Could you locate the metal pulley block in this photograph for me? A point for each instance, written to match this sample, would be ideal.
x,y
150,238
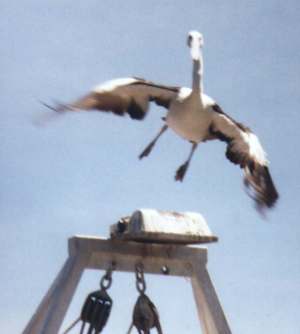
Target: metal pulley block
x,y
96,308
95,311
145,315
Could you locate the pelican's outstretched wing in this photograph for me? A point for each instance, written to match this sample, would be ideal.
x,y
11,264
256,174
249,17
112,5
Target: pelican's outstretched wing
x,y
121,96
244,149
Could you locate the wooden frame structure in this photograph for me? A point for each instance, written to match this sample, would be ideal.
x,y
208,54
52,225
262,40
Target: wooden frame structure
x,y
97,253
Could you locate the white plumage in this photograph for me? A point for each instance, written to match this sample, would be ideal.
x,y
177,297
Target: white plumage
x,y
190,117
193,115
110,85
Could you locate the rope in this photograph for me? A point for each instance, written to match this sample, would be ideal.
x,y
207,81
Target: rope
x,y
71,326
130,328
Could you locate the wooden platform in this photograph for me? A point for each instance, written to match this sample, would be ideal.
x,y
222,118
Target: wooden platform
x,y
156,226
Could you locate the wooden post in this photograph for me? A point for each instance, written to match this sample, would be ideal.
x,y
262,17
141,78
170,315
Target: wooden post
x,y
210,313
98,253
51,311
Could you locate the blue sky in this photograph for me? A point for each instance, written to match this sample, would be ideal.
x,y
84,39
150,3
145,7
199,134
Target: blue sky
x,y
80,173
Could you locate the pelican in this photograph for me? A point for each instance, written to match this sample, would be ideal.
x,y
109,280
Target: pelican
x,y
192,115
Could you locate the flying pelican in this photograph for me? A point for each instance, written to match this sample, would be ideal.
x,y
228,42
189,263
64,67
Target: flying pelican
x,y
192,115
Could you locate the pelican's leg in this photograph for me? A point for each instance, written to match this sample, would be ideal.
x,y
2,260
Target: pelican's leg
x,y
183,168
149,148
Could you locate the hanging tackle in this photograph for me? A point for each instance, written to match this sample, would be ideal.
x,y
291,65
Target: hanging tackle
x,y
145,315
96,309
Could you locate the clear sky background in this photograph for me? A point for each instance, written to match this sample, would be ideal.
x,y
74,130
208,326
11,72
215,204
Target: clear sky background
x,y
80,173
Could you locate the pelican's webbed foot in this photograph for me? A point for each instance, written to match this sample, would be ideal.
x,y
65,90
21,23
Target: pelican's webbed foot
x,y
180,173
147,150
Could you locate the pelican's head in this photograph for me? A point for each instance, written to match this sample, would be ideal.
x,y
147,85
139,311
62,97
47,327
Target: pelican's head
x,y
195,42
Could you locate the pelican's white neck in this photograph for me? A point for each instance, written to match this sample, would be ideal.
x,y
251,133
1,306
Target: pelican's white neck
x,y
196,55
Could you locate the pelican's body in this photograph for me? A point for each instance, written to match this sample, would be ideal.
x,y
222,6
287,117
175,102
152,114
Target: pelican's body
x,y
192,115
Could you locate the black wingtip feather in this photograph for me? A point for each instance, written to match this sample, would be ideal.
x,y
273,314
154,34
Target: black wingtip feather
x,y
259,179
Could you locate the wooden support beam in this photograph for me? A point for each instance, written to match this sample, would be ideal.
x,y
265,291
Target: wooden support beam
x,y
102,252
210,313
50,313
